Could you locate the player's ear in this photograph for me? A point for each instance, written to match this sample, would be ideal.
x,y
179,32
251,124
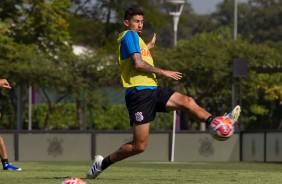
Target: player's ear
x,y
126,23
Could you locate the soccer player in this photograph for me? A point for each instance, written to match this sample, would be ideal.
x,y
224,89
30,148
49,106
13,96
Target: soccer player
x,y
3,152
143,96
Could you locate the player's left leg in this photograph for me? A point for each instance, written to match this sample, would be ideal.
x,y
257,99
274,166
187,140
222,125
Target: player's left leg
x,y
136,146
234,114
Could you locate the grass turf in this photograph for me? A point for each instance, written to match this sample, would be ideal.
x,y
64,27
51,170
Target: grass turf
x,y
147,172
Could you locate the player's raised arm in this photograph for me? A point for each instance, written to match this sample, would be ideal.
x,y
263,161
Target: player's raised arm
x,y
151,44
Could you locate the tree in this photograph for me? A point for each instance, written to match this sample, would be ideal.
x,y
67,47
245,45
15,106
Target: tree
x,y
35,43
206,63
105,18
258,19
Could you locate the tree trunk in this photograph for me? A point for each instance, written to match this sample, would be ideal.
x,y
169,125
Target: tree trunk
x,y
49,110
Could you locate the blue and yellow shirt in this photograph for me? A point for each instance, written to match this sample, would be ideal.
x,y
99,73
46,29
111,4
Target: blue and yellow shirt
x,y
128,43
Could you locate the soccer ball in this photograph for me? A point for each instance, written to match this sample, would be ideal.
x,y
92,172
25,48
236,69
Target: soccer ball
x,y
221,128
72,180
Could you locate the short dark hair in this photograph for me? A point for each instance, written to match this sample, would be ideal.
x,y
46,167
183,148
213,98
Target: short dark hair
x,y
130,12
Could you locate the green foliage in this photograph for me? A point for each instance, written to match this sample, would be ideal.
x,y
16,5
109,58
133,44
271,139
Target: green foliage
x,y
206,64
64,116
163,121
114,117
95,18
82,31
258,110
35,49
257,18
202,56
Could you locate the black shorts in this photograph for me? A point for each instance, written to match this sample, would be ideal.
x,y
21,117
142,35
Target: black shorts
x,y
142,105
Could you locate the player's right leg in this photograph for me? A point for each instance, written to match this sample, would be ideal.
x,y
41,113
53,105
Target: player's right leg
x,y
234,114
136,146
179,101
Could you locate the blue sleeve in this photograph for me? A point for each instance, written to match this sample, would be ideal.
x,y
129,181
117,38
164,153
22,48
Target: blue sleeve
x,y
129,44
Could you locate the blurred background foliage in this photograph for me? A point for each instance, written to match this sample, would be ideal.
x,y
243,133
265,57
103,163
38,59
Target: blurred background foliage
x,y
84,91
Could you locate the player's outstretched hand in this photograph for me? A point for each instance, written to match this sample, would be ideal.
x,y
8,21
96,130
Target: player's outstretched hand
x,y
4,84
172,74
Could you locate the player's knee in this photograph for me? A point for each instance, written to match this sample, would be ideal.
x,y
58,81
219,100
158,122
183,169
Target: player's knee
x,y
139,148
188,102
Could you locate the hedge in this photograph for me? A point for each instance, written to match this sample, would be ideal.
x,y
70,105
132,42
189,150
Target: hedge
x,y
111,117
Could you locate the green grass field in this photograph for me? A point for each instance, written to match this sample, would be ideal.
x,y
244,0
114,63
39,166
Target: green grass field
x,y
147,172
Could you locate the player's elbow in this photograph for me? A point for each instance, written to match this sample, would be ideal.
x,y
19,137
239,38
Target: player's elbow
x,y
137,66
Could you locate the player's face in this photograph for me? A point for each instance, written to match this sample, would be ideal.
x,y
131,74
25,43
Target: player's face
x,y
135,23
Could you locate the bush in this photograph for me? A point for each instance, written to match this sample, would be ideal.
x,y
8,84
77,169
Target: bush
x,y
110,117
64,116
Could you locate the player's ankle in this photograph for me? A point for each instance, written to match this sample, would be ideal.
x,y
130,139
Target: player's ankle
x,y
209,119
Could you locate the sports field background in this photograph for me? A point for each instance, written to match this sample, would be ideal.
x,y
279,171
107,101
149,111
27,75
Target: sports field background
x,y
147,172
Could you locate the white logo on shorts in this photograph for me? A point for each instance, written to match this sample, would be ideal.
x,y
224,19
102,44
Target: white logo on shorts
x,y
138,116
